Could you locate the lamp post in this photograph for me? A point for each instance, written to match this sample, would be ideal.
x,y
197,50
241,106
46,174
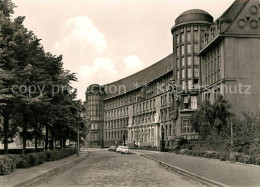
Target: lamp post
x,y
78,140
163,143
78,146
232,155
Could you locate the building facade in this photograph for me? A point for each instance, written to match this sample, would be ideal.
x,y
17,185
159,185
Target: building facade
x,y
209,58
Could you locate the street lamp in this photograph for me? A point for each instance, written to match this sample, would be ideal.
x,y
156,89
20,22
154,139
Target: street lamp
x,y
232,155
163,143
78,140
78,146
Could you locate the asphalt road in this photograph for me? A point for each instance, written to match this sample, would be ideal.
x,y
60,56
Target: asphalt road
x,y
103,168
230,174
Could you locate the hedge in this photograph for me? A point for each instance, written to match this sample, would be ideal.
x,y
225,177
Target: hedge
x,y
19,151
11,161
239,157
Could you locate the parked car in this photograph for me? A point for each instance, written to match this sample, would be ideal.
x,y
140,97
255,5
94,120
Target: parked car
x,y
125,150
112,148
119,148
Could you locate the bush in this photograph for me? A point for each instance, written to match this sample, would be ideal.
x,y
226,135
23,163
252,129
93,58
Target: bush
x,y
9,162
6,165
23,162
258,161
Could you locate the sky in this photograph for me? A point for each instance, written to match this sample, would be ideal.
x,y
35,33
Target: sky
x,y
106,40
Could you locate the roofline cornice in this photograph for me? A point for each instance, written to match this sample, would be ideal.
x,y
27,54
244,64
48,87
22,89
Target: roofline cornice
x,y
191,23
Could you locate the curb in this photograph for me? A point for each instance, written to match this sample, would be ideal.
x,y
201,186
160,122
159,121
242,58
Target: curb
x,y
193,176
53,172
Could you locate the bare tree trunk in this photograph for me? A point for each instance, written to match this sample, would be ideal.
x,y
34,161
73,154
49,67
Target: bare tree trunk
x,y
36,143
6,133
24,138
51,141
61,143
64,142
46,137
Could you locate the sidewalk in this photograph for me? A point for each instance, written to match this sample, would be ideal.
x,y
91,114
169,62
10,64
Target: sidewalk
x,y
21,175
231,174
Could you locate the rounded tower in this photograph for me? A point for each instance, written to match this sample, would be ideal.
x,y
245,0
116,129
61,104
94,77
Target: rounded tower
x,y
95,115
187,33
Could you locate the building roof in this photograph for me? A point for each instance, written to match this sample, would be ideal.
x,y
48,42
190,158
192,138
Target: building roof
x,y
193,15
233,11
95,88
142,77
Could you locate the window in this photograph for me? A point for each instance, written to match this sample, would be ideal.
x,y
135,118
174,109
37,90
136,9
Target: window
x,y
178,75
196,83
177,39
196,48
183,62
188,48
194,102
177,51
182,37
189,84
188,36
183,85
196,72
186,102
182,50
186,127
183,73
189,61
178,63
196,60
196,36
189,73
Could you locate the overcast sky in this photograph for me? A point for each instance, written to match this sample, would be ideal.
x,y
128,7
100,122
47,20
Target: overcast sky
x,y
103,41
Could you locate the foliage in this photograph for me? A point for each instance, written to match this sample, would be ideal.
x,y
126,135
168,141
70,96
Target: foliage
x,y
9,162
211,119
47,100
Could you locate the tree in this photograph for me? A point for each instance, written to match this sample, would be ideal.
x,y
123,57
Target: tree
x,y
211,118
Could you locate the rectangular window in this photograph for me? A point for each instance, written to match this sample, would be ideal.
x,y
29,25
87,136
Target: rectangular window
x,y
189,84
182,50
185,99
189,61
177,39
189,48
194,102
196,36
182,37
186,127
196,48
183,85
177,51
196,60
189,36
178,75
183,73
196,72
189,73
177,63
183,62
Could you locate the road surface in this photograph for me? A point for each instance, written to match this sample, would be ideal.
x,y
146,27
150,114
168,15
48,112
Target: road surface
x,y
103,168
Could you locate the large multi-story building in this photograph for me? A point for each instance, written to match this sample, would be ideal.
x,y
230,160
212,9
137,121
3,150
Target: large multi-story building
x,y
209,58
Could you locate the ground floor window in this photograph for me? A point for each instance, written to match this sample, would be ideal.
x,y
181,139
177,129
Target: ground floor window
x,y
94,136
186,127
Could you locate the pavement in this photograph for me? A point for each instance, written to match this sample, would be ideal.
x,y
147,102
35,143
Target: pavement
x,y
230,174
104,168
22,177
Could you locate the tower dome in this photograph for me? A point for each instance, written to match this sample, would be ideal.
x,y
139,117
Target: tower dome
x,y
194,15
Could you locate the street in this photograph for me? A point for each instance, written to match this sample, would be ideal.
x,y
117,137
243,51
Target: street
x,y
103,168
